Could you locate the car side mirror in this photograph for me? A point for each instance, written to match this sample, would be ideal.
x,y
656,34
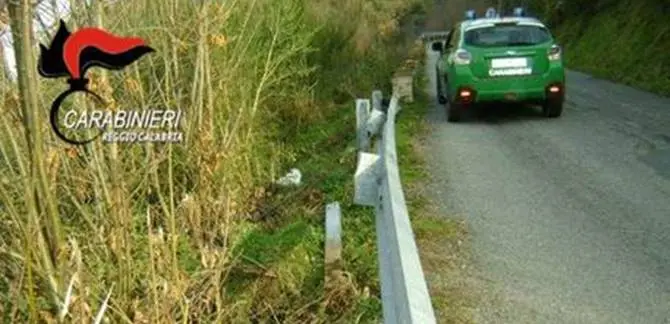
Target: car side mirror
x,y
438,47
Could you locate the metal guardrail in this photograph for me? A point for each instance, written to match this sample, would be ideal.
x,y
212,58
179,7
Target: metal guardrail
x,y
405,297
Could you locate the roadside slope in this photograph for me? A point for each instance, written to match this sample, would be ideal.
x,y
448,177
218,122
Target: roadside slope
x,y
626,41
198,232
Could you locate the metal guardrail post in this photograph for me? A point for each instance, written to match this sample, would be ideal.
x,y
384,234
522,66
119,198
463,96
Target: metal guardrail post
x,y
333,249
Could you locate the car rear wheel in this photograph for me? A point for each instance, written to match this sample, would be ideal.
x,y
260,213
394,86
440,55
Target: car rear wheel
x,y
552,108
454,112
441,98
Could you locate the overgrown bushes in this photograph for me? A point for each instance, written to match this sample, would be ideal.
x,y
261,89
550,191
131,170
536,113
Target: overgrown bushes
x,y
159,227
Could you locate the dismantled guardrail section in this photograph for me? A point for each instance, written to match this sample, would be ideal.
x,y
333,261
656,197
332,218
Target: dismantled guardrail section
x,y
405,297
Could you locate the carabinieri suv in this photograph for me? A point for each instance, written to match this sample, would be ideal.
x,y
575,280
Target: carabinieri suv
x,y
500,59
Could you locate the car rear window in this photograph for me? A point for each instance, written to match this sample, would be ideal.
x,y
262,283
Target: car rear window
x,y
507,35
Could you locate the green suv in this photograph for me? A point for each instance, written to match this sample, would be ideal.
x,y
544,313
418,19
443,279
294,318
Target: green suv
x,y
500,59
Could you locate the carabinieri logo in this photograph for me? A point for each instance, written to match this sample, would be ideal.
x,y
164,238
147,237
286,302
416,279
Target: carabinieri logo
x,y
72,54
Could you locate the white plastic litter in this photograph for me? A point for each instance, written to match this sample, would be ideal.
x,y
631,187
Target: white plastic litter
x,y
292,178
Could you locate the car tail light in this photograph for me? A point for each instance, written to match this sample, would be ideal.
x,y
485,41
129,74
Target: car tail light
x,y
555,90
554,53
465,94
462,57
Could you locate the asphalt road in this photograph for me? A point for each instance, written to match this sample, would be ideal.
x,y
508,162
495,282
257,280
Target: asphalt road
x,y
570,217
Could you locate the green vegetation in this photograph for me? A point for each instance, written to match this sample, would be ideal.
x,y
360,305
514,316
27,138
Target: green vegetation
x,y
627,41
195,232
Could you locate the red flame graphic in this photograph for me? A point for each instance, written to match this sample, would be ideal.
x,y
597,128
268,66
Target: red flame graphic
x,y
94,37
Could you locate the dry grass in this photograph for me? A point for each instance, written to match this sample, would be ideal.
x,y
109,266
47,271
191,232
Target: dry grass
x,y
444,247
159,228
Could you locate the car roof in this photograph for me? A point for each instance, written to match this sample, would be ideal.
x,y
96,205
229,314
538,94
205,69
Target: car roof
x,y
490,22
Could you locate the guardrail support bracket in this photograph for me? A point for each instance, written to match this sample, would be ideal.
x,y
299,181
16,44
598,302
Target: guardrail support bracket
x,y
362,113
365,179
